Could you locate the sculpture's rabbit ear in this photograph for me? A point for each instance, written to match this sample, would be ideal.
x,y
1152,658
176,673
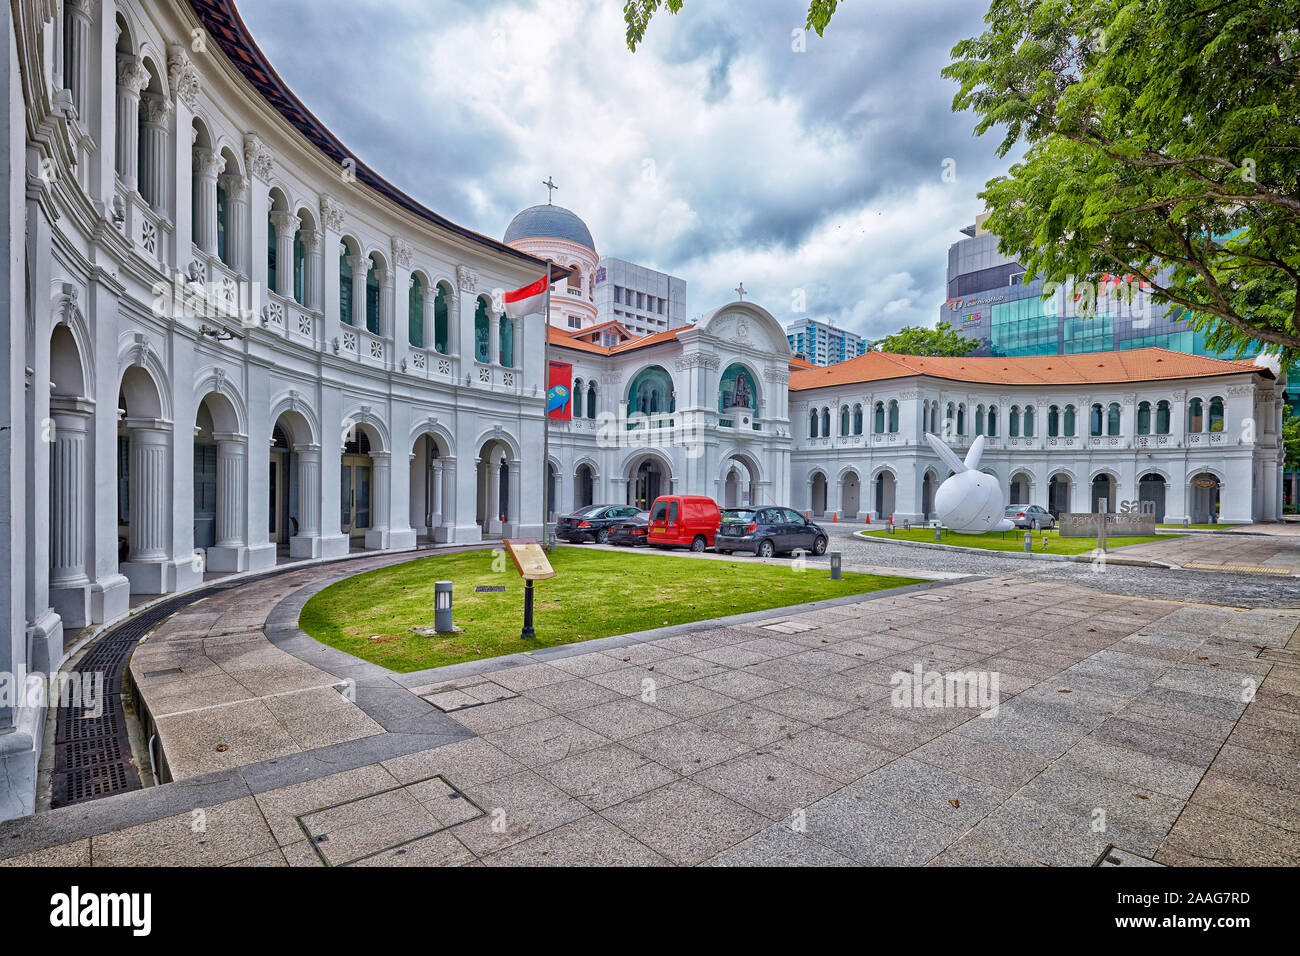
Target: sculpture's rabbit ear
x,y
946,454
976,452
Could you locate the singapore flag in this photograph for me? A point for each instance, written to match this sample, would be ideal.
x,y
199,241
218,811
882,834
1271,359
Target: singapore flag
x,y
531,298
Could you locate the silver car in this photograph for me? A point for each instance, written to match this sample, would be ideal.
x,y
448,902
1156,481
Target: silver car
x,y
1030,517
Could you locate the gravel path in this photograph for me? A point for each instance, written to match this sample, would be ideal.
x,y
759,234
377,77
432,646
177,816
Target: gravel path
x,y
1230,589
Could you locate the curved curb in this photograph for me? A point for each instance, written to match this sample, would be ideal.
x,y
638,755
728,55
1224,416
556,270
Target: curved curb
x,y
1020,555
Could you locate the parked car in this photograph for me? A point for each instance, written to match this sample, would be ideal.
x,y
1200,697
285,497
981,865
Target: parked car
x,y
1030,516
683,521
592,524
737,514
771,531
631,532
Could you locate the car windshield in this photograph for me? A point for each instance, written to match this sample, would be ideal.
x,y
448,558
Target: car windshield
x,y
737,514
660,510
588,511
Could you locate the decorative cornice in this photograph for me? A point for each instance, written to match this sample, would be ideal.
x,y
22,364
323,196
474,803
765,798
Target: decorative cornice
x,y
182,75
401,253
131,73
331,211
466,279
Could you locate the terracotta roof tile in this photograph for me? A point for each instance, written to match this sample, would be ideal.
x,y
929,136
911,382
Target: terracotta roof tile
x,y
1135,365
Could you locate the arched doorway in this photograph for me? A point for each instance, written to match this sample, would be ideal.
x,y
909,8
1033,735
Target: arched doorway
x,y
1151,488
739,482
818,502
1019,490
220,485
647,479
70,525
432,484
1102,497
144,484
498,475
886,486
1058,494
584,487
281,522
851,495
1204,497
357,485
294,513
928,485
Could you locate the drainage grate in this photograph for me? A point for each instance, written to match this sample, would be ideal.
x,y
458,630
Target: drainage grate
x,y
789,627
366,826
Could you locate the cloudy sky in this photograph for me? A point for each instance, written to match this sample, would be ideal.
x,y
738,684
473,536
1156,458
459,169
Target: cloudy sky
x,y
718,152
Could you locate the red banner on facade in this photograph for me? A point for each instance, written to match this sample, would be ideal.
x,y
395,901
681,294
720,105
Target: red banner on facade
x,y
559,391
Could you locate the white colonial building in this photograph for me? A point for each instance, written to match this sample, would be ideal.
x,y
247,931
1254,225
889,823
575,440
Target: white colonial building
x,y
232,345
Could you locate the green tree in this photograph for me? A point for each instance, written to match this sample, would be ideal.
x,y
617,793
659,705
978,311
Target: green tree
x,y
1158,133
943,339
638,13
1290,440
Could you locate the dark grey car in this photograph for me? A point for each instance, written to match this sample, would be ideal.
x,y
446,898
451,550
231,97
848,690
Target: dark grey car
x,y
771,531
592,524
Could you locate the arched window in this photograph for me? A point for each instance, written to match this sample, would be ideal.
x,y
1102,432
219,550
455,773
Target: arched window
x,y
979,419
826,422
893,416
415,312
577,398
1216,414
1053,421
844,420
1195,415
857,419
812,423
993,421
736,389
372,296
299,268
223,219
1162,417
272,253
878,423
1069,421
1112,419
591,399
1144,418
345,286
481,331
934,418
1094,423
1013,423
506,354
949,421
440,322
1029,421
651,392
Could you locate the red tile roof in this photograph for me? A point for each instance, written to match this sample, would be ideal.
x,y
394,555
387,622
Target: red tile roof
x,y
1135,365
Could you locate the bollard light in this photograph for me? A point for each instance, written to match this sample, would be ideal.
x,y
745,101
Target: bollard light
x,y
1029,541
835,565
937,532
1185,522
442,607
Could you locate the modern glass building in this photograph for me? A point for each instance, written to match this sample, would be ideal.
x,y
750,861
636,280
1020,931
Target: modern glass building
x,y
822,343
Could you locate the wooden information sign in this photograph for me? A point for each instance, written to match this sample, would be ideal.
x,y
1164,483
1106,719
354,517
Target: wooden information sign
x,y
530,559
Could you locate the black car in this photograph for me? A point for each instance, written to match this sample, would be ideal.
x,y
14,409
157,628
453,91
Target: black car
x,y
770,531
630,532
593,523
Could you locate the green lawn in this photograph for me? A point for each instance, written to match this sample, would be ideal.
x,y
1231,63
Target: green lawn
x,y
1015,540
596,594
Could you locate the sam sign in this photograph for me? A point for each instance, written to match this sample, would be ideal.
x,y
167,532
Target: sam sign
x,y
559,391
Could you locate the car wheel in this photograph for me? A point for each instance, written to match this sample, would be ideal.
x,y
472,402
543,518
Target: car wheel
x,y
602,536
766,549
699,544
819,545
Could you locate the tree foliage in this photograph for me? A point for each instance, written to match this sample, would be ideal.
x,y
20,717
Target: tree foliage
x,y
1159,133
943,339
637,14
1291,439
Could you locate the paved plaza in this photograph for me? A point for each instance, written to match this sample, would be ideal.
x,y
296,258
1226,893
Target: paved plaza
x,y
1153,731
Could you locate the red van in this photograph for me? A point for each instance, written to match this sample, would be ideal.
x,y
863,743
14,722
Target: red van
x,y
683,521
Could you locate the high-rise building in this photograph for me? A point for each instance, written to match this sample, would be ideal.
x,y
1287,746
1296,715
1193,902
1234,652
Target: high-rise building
x,y
643,300
822,343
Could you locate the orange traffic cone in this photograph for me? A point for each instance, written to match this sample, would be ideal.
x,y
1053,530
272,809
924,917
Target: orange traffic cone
x,y
835,518
868,517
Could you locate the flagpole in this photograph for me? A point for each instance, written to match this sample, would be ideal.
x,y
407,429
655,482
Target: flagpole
x,y
546,414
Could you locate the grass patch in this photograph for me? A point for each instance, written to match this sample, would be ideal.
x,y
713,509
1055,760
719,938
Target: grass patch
x,y
597,594
1015,540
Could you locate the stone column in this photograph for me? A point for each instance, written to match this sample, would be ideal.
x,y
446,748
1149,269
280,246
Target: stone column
x,y
150,496
207,165
232,510
286,227
492,520
494,338
387,325
306,543
68,520
76,44
236,187
131,79
314,243
155,110
381,495
430,318
435,519
515,506
360,269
